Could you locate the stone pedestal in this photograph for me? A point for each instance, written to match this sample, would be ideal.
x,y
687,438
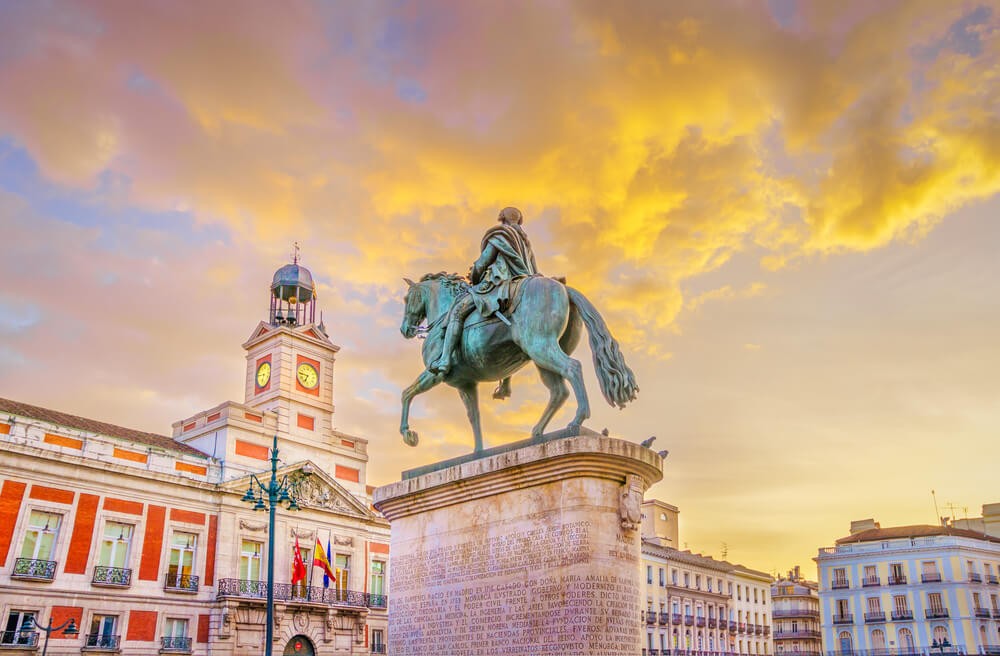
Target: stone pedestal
x,y
531,549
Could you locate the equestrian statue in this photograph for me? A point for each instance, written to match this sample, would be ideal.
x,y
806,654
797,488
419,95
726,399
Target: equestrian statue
x,y
504,315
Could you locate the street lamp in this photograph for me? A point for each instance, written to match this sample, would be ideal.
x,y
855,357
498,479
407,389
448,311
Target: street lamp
x,y
30,624
267,497
941,646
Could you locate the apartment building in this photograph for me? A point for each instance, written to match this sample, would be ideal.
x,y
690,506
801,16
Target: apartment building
x,y
796,616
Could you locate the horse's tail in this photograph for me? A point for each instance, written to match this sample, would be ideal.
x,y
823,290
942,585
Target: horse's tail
x,y
617,380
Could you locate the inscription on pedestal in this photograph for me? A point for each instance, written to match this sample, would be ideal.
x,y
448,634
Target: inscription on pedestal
x,y
537,589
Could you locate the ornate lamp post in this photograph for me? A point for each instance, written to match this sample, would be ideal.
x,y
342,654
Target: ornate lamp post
x,y
70,629
267,497
941,646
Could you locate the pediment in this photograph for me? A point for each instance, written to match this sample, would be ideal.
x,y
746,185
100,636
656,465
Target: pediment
x,y
317,490
262,329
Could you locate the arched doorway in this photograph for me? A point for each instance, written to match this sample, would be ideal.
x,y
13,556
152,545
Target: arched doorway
x,y
299,646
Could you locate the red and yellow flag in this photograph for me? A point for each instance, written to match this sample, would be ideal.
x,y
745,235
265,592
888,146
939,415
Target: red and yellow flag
x,y
320,560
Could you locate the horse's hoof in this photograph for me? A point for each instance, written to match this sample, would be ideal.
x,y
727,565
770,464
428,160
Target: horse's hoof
x,y
500,393
411,437
574,427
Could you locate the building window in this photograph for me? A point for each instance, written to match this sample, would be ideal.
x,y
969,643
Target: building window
x,y
649,574
378,577
929,571
115,545
378,641
180,566
934,601
342,568
663,577
845,642
840,578
896,575
673,576
102,632
906,641
13,633
755,595
874,605
697,581
175,631
40,538
900,604
250,557
940,634
708,583
687,580
878,639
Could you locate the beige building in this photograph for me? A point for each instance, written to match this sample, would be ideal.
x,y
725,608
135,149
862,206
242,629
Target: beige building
x,y
145,542
795,612
696,604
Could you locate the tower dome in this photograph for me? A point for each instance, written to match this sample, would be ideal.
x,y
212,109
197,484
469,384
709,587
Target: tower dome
x,y
293,294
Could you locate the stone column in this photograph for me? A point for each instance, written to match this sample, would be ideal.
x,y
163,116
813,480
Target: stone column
x,y
531,549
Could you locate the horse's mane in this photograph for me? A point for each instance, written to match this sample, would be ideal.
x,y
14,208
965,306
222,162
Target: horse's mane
x,y
453,280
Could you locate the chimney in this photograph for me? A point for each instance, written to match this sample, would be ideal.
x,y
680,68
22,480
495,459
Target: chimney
x,y
859,525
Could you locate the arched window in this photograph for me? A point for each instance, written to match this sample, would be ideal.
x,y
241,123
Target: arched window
x,y
845,642
940,634
906,641
984,639
878,640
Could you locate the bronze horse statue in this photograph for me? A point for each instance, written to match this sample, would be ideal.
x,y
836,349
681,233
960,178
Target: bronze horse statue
x,y
545,326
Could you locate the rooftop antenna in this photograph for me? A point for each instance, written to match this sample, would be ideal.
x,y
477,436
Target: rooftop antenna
x,y
952,508
937,513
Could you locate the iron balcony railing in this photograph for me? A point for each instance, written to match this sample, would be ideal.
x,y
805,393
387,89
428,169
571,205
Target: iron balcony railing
x,y
664,618
878,616
181,583
700,621
733,627
902,615
898,579
840,584
650,617
996,613
795,612
935,613
992,578
711,623
801,633
100,641
175,643
112,576
871,582
846,618
378,649
983,612
301,594
975,577
689,620
759,629
18,639
28,568
676,618
930,578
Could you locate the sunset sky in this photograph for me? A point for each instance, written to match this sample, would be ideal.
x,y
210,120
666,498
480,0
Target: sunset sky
x,y
787,212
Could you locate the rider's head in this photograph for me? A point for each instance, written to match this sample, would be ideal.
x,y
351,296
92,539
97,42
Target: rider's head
x,y
510,215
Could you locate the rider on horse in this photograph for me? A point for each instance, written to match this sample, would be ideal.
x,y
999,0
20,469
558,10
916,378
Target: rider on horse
x,y
506,256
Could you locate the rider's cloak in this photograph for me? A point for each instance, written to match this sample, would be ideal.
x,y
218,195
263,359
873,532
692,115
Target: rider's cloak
x,y
506,255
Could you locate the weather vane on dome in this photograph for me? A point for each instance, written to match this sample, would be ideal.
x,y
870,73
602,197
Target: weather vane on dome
x,y
295,252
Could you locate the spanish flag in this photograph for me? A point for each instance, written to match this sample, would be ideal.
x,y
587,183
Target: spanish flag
x,y
320,560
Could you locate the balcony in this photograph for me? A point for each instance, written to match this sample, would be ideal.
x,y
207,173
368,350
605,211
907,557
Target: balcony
x,y
700,622
181,583
712,623
743,627
933,577
650,617
18,639
795,612
301,594
847,618
758,629
996,613
34,570
801,633
875,617
689,620
897,579
101,642
991,650
991,578
983,613
936,613
975,577
902,615
732,627
112,577
676,618
378,649
175,644
664,618
871,582
840,584
767,630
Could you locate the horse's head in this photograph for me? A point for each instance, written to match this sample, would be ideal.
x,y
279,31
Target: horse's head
x,y
414,309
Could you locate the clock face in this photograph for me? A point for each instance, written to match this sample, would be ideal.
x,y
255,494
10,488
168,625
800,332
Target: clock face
x,y
263,374
307,376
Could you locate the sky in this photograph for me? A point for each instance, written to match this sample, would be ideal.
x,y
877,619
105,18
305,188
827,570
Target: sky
x,y
786,212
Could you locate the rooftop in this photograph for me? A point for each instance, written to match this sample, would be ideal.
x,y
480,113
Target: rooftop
x,y
9,407
914,531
